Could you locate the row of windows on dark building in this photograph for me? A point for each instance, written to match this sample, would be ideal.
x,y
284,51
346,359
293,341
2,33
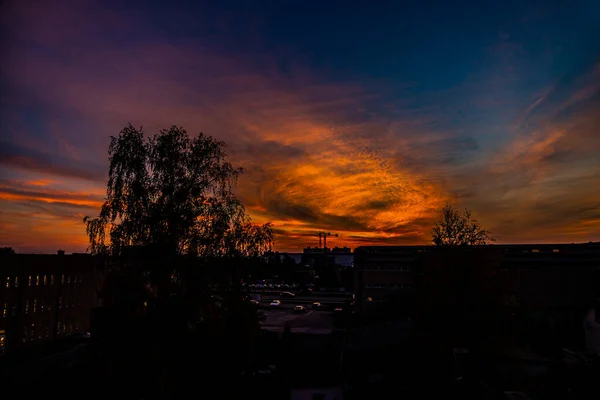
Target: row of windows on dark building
x,y
34,306
32,332
44,280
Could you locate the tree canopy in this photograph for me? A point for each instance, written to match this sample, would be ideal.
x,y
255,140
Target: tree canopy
x,y
456,229
174,192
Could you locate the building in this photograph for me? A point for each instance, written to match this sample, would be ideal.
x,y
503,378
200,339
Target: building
x,y
44,297
556,285
383,271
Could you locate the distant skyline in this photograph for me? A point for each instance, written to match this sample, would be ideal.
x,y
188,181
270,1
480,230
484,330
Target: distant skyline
x,y
358,118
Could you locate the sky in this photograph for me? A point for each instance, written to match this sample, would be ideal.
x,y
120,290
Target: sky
x,y
357,118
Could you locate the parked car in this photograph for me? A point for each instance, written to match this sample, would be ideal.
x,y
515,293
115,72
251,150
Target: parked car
x,y
299,309
316,305
254,302
275,303
287,294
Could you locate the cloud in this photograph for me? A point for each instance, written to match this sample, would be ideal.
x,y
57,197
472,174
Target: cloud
x,y
373,161
12,155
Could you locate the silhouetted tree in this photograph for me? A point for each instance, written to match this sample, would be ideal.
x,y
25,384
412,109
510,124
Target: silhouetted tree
x,y
173,225
458,287
174,192
456,229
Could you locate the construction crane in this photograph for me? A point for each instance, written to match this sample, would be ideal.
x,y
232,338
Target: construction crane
x,y
323,235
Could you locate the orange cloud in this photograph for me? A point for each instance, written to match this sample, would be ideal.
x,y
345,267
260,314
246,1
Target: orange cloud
x,y
319,153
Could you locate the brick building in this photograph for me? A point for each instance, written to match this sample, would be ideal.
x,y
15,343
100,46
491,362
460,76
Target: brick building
x,y
44,297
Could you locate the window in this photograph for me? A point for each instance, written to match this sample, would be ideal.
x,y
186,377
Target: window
x,y
58,328
27,307
24,333
68,278
80,278
7,282
60,302
16,281
45,280
4,310
29,280
52,279
62,278
2,341
14,311
34,305
43,305
76,323
32,333
37,280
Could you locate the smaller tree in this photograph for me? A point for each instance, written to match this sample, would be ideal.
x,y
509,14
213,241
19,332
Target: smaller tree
x,y
456,229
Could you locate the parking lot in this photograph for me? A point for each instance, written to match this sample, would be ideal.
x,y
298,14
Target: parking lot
x,y
314,321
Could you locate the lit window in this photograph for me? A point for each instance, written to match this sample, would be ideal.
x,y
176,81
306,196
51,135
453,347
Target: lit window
x,y
27,307
37,280
8,281
29,280
45,280
369,299
34,305
43,305
62,278
16,281
52,279
32,333
4,310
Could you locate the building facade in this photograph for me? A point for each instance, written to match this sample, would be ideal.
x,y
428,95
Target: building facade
x,y
44,297
383,271
552,280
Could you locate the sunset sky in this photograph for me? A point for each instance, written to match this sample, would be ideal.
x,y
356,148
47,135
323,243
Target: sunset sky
x,y
358,118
